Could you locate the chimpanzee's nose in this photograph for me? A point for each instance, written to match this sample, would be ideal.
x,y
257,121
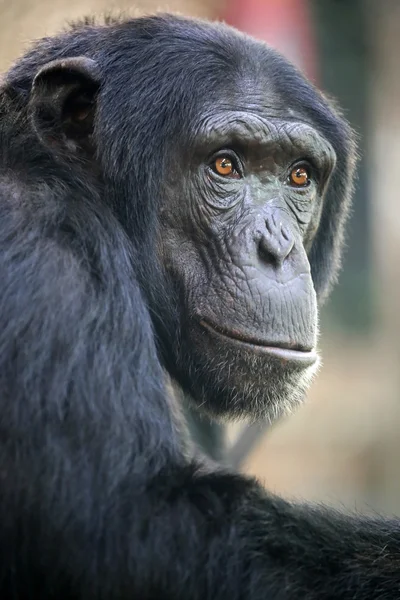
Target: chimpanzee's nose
x,y
276,242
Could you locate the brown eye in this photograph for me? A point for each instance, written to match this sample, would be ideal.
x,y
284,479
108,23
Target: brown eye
x,y
299,176
223,165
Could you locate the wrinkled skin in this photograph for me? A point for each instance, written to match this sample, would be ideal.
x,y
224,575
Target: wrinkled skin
x,y
237,249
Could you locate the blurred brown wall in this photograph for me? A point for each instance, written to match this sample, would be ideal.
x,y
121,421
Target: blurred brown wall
x,y
24,20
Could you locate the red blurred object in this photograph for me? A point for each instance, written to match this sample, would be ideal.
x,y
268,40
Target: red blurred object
x,y
286,25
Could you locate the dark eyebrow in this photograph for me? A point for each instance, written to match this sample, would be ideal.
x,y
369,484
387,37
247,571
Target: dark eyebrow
x,y
243,129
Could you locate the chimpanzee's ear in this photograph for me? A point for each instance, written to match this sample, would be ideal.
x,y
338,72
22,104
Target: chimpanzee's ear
x,y
63,102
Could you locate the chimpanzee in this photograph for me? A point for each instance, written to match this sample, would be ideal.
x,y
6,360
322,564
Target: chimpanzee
x,y
173,195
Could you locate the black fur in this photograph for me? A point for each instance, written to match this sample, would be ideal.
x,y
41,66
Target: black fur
x,y
99,496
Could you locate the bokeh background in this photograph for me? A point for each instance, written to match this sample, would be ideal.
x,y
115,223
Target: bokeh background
x,y
343,447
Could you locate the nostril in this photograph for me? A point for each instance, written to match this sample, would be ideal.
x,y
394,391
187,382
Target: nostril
x,y
285,233
268,226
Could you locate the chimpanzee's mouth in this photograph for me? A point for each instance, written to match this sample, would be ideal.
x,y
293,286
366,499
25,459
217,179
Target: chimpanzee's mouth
x,y
285,351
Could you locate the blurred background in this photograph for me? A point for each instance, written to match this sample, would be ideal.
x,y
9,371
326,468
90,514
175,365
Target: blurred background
x,y
343,446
